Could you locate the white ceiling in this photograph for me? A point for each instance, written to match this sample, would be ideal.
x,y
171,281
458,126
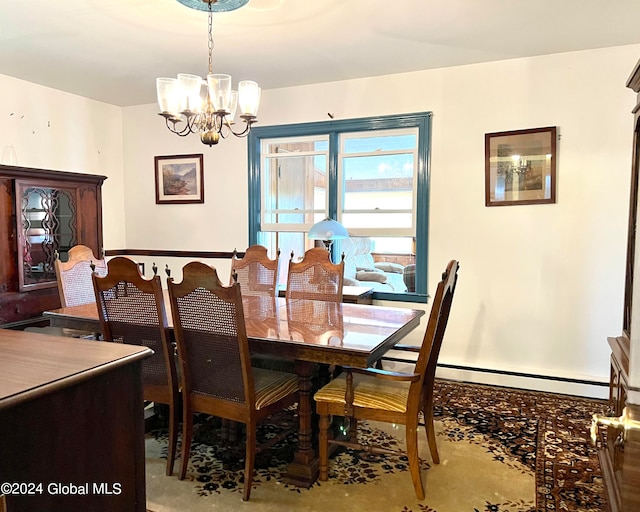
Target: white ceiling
x,y
112,50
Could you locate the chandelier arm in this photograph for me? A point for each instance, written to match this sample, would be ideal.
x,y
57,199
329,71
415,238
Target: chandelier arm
x,y
186,129
247,128
193,123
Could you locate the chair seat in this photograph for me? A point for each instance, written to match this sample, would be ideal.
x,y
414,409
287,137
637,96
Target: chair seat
x,y
272,386
368,392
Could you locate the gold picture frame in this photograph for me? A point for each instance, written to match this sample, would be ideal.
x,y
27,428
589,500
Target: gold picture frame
x,y
520,167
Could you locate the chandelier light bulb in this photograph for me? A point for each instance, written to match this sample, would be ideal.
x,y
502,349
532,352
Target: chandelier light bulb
x,y
248,97
189,91
220,92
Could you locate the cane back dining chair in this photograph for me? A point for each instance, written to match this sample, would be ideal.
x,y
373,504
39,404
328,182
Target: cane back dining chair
x,y
75,286
393,397
215,365
74,276
132,311
315,277
256,272
257,275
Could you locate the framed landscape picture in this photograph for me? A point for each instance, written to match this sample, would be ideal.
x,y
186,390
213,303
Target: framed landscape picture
x,y
520,167
179,179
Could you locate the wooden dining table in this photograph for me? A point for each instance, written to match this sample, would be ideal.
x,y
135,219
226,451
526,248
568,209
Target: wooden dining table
x,y
306,331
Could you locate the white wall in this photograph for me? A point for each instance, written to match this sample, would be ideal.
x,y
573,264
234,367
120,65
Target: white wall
x,y
541,286
51,129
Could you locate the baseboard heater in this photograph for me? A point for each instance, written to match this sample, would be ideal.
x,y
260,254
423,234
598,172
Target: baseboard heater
x,y
504,372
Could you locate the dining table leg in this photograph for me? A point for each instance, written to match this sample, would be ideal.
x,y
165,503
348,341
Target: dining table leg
x,y
305,468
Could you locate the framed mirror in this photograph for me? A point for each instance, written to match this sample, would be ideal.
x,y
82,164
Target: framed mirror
x,y
46,224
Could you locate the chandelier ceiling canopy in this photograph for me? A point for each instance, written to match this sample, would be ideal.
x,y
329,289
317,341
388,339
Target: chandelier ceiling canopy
x,y
216,6
207,107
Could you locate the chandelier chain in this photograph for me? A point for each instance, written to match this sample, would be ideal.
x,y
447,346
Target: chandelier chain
x,y
210,39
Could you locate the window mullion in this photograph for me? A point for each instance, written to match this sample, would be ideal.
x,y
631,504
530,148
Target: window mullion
x,y
333,189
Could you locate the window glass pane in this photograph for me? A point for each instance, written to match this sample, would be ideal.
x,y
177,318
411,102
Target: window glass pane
x,y
377,220
377,173
383,263
294,182
359,143
378,182
297,145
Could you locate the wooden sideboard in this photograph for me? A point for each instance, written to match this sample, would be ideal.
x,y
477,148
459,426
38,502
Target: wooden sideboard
x,y
66,211
620,454
612,454
71,417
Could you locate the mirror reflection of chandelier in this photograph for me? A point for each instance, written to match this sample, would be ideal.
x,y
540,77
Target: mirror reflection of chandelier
x,y
207,107
519,164
516,166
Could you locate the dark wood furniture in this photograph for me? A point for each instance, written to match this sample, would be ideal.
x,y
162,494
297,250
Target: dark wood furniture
x,y
74,275
132,310
368,332
71,413
42,212
215,364
392,397
350,294
315,277
620,453
256,273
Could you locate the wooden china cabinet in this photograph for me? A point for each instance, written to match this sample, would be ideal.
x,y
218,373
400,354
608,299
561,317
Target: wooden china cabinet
x,y
620,454
42,213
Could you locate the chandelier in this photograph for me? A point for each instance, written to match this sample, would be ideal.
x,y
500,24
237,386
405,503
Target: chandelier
x,y
190,104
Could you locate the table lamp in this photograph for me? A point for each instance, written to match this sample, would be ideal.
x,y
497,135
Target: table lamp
x,y
327,230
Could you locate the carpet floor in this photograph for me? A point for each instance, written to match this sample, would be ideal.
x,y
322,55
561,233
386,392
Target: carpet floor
x,y
501,450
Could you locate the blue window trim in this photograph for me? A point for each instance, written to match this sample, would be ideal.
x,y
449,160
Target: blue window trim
x,y
421,120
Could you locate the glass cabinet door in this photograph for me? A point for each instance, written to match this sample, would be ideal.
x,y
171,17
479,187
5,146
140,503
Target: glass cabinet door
x,y
46,218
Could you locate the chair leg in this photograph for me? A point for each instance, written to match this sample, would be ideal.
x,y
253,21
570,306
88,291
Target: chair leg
x,y
249,460
414,461
224,429
233,428
429,427
323,447
187,432
173,437
352,434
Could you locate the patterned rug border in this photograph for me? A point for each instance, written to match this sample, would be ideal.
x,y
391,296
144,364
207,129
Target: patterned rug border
x,y
567,469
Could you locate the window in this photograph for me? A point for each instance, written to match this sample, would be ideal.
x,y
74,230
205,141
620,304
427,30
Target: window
x,y
370,174
376,182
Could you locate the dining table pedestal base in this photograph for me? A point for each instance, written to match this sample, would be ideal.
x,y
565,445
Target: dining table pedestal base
x,y
305,468
302,474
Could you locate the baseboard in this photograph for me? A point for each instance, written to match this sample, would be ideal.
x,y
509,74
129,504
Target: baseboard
x,y
519,380
530,382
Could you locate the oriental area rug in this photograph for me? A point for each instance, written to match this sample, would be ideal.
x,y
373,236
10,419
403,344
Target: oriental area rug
x,y
501,450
